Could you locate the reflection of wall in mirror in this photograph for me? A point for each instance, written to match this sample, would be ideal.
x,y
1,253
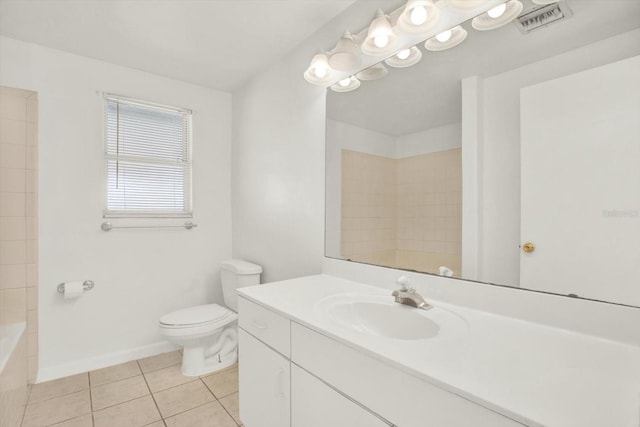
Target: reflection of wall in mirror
x,y
583,131
369,197
500,150
400,207
429,211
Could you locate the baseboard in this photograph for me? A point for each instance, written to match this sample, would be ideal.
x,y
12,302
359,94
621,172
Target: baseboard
x,y
110,359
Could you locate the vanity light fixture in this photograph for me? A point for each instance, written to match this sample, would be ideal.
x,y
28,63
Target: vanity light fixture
x,y
498,16
374,72
346,55
381,38
446,39
465,4
319,72
419,16
497,11
405,58
346,85
391,38
444,36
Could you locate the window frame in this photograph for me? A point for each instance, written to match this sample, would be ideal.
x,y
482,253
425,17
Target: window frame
x,y
188,182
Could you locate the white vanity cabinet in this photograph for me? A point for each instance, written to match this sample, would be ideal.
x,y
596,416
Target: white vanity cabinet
x,y
401,398
264,379
293,376
315,404
264,384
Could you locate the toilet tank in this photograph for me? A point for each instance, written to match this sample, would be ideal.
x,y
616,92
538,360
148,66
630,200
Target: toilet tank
x,y
236,273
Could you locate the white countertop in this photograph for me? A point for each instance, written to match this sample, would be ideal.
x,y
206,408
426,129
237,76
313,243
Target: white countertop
x,y
535,374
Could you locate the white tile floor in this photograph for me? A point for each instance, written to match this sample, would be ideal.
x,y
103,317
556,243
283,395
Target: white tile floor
x,y
148,392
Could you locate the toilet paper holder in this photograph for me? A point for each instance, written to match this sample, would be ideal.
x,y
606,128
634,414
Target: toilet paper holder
x,y
86,285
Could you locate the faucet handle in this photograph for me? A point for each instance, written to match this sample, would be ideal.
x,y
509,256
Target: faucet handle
x,y
403,281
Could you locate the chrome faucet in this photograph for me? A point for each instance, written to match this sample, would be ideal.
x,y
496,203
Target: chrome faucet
x,y
408,296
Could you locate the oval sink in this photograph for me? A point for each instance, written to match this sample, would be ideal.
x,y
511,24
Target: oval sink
x,y
400,322
379,315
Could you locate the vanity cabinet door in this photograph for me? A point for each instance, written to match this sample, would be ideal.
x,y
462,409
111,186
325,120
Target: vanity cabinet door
x,y
315,404
264,380
401,398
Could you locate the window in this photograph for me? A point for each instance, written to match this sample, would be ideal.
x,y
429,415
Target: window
x,y
148,159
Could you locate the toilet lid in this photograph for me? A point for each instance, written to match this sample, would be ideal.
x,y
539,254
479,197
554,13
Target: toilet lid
x,y
197,315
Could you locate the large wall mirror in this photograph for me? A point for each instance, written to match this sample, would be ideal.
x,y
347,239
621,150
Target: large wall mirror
x,y
511,159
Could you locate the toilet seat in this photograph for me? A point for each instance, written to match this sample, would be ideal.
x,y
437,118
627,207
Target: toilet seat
x,y
208,316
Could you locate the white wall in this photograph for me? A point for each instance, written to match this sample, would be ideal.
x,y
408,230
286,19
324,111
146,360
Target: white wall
x,y
500,211
278,158
440,138
278,173
139,275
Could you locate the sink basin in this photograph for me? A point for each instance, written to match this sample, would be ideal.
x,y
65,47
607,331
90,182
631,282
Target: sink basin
x,y
379,315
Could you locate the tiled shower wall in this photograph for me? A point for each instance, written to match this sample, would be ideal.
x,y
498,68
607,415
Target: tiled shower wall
x,y
368,223
404,213
18,243
430,211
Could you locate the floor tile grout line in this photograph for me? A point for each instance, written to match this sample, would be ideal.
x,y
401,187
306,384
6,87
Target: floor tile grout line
x,y
71,419
126,401
26,403
55,397
187,410
226,410
61,395
151,393
195,407
218,400
173,386
157,369
209,388
116,404
90,395
90,398
119,379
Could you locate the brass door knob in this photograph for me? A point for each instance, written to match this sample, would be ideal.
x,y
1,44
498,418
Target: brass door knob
x,y
528,247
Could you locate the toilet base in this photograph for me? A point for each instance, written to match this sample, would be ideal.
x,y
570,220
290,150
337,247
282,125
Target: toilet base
x,y
194,364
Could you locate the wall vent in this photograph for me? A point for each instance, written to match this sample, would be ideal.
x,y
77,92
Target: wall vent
x,y
542,16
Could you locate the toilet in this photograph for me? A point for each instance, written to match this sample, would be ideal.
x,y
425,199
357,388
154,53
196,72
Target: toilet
x,y
208,333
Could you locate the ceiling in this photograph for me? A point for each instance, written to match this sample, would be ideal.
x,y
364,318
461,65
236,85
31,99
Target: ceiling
x,y
214,43
428,94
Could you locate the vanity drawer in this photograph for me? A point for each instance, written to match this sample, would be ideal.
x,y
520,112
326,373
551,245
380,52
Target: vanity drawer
x,y
384,389
269,327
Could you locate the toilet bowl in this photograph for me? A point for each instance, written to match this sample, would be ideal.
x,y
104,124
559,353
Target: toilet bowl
x,y
208,333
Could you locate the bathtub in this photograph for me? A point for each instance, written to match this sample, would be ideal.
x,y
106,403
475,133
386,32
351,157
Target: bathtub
x,y
9,337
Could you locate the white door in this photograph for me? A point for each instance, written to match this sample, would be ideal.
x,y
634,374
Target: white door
x,y
264,381
581,184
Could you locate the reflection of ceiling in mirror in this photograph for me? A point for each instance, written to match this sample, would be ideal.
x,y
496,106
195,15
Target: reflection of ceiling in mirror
x,y
428,94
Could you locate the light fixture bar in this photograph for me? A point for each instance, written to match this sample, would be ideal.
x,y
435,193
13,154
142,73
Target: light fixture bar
x,y
449,16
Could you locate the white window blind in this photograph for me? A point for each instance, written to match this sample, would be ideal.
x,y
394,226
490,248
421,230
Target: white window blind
x,y
148,159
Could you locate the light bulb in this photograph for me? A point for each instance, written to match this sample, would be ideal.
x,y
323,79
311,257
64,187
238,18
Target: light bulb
x,y
403,54
345,82
381,41
320,71
444,36
497,11
418,15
